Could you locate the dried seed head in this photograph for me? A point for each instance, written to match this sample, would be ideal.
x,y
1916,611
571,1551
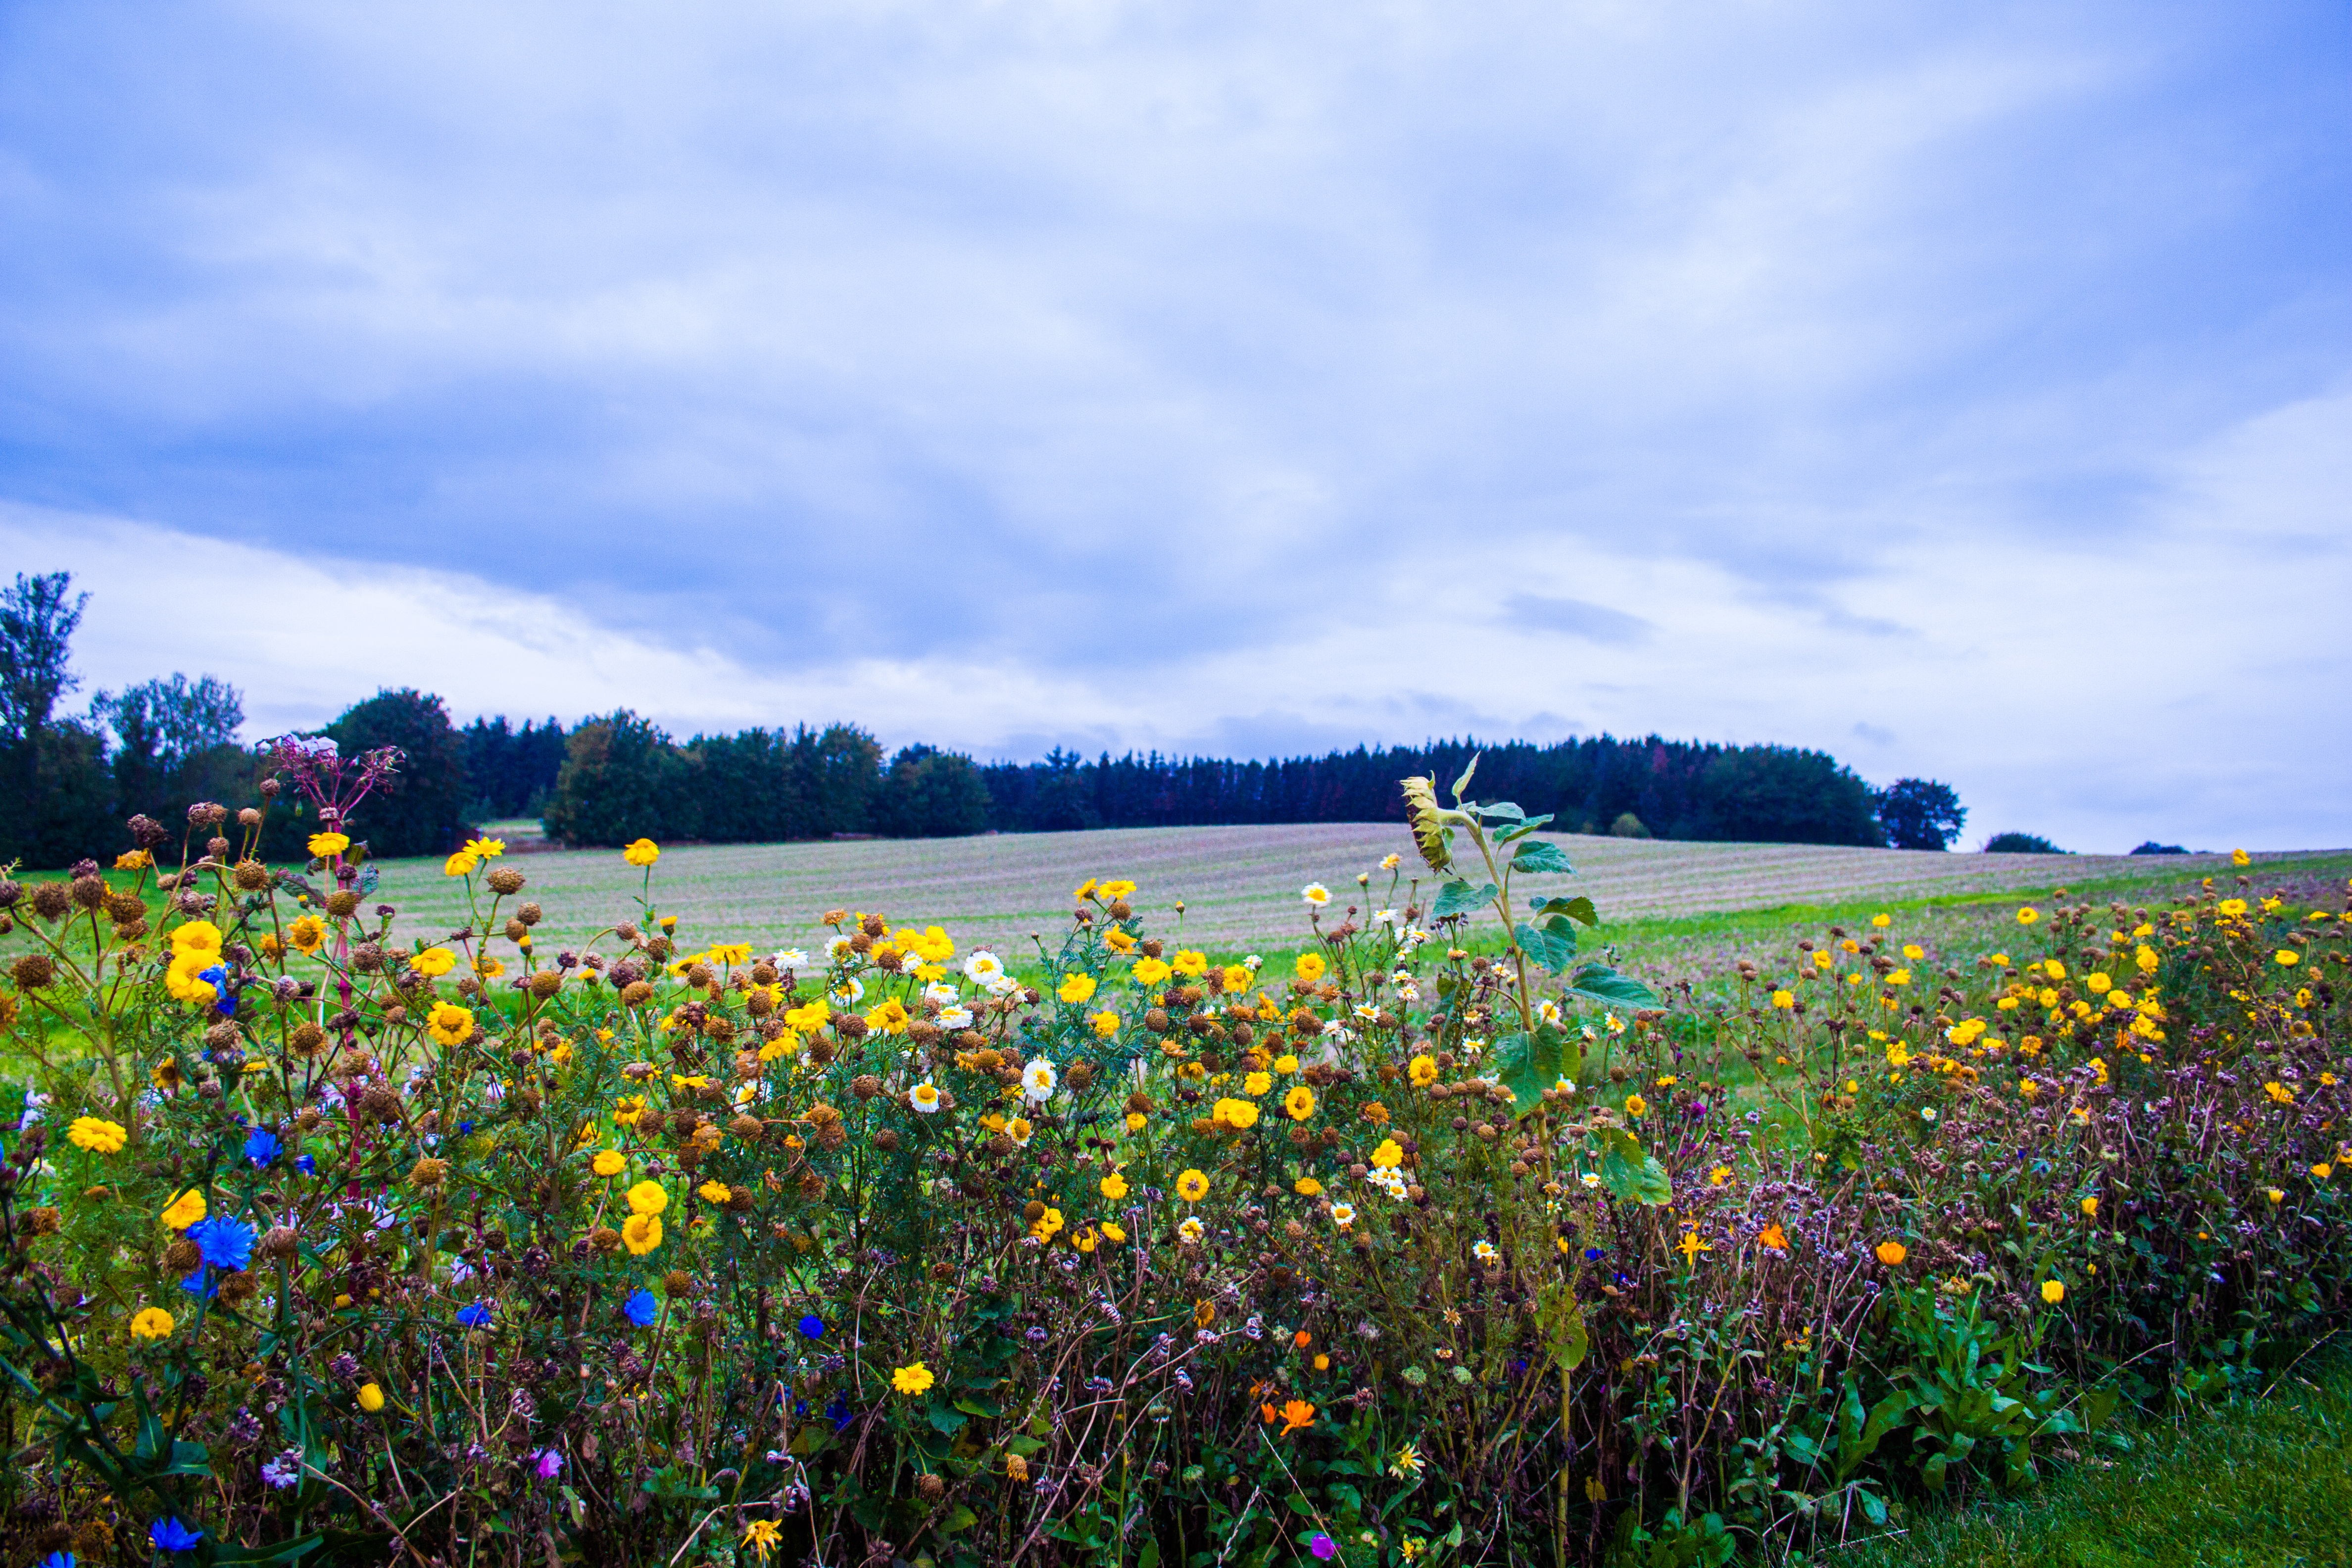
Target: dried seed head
x,y
887,1140
931,1488
307,1040
51,901
89,891
251,876
699,976
636,993
874,926
222,1036
428,1172
217,847
531,914
183,1256
504,879
546,984
278,1241
33,970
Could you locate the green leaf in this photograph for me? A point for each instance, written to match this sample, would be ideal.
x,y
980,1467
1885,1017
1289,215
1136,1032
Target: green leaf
x,y
286,1551
982,1407
1507,810
1463,782
1538,855
1521,829
1562,1317
1552,944
1528,1066
1149,1556
1630,1173
947,1420
958,1518
1577,909
1458,898
1602,984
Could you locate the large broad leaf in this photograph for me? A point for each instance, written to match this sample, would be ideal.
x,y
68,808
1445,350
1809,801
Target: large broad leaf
x,y
1528,1064
1552,944
1459,897
1602,983
1578,909
1502,811
1538,855
1522,828
1630,1173
1560,1317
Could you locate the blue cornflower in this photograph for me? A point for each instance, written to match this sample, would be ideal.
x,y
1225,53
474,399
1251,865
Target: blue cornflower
x,y
465,1127
642,1307
171,1535
307,1164
476,1316
58,1560
226,1242
200,1284
1594,1255
811,1327
262,1148
838,1413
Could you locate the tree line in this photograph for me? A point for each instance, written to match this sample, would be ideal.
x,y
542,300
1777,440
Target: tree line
x,y
69,781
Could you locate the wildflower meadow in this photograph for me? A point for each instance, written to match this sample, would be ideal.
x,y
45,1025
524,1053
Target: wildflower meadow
x,y
1442,1243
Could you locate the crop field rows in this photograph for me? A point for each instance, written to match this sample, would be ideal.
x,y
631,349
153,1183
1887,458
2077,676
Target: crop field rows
x,y
1239,886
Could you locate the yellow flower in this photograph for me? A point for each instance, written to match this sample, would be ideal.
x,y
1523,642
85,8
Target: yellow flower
x,y
1119,942
2279,1092
1719,1175
1258,1083
449,1022
760,1535
433,962
1084,890
1307,1187
2053,1291
2323,1171
2240,858
1423,1070
1784,1000
1113,891
459,864
1018,1129
1112,1233
889,1018
1192,1186
487,849
2091,1206
325,844
307,934
641,1233
185,1210
1636,1106
1191,963
2274,1193
1299,1103
133,860
2232,908
2287,958
642,852
370,1397
715,1191
491,968
1048,1224
1388,1155
1309,966
1136,1121
196,936
608,1162
1114,1186
912,1378
1234,979
649,1198
1238,1114
2027,915
1076,988
1151,971
1104,1023
97,1134
150,1323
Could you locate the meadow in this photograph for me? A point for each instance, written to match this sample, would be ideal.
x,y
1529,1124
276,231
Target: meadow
x,y
1711,1201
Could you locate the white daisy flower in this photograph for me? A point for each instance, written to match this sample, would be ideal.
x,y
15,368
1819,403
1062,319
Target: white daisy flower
x,y
1343,1214
982,966
1037,1081
1384,917
1191,1230
955,1017
790,958
1316,895
838,951
924,1097
850,990
1253,964
940,992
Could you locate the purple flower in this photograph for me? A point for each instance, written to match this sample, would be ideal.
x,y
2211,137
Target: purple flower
x,y
284,1469
171,1535
548,1463
1323,1546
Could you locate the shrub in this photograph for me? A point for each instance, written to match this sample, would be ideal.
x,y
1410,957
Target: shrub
x,y
1920,814
2021,844
340,1247
2152,848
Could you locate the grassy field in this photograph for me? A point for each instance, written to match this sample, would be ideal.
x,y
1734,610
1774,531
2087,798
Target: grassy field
x,y
2262,1481
1677,903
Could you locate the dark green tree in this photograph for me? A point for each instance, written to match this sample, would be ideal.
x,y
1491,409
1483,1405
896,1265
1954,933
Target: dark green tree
x,y
1920,814
932,793
1781,794
623,780
56,798
420,809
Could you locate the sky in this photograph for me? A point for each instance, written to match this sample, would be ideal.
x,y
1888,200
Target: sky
x,y
1965,390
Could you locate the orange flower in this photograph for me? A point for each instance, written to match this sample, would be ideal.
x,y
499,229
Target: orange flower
x,y
1302,1339
1773,1236
1892,1253
1296,1416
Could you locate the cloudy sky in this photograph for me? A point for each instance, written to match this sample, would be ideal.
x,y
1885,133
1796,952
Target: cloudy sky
x,y
1967,390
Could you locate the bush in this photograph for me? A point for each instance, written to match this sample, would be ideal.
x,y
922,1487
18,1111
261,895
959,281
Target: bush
x,y
2152,848
2021,844
1920,814
668,1251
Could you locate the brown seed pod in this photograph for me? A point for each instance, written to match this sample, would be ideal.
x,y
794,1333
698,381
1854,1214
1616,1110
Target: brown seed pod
x,y
748,1128
636,993
546,984
866,1085
239,1287
342,903
222,1036
380,1101
183,1256
931,1488
307,1040
516,929
852,1027
605,1238
125,907
759,1004
887,1140
51,901
699,976
89,892
428,1172
505,880
278,1241
33,970
531,914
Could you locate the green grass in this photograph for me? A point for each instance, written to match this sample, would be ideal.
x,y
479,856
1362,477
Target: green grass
x,y
2258,1481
